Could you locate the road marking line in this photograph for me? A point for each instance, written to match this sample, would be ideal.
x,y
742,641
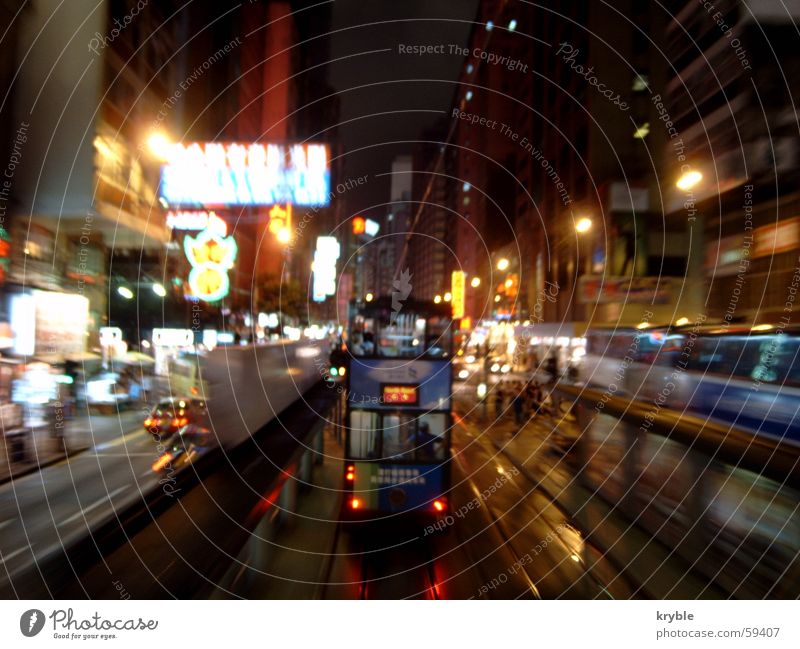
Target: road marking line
x,y
119,440
97,503
121,454
5,524
13,554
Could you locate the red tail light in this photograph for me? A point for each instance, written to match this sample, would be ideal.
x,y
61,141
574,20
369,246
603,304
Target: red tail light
x,y
148,422
351,476
355,503
439,505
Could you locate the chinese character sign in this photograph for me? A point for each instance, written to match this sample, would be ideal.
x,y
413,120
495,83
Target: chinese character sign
x,y
217,173
457,287
211,255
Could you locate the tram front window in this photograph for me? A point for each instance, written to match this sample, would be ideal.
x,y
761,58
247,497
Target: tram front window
x,y
393,436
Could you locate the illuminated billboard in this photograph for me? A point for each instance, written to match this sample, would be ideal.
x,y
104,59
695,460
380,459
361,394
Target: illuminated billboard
x,y
324,267
457,284
231,173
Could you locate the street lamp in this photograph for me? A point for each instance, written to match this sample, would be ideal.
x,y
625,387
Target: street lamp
x,y
369,297
159,145
503,264
448,296
125,292
159,290
476,282
583,225
496,298
689,180
284,236
437,299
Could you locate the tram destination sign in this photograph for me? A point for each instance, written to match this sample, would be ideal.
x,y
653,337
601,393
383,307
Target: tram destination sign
x,y
402,395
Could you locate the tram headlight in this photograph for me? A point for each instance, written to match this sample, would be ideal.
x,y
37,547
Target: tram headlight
x,y
463,374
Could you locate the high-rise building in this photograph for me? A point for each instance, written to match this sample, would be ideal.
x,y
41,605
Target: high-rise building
x,y
733,144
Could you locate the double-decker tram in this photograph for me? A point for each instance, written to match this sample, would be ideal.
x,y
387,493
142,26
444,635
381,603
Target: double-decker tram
x,y
399,386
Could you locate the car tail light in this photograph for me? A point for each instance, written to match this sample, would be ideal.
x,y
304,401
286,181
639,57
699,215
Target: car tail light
x,y
148,422
183,421
161,462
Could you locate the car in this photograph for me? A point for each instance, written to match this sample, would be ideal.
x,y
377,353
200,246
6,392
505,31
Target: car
x,y
171,414
189,444
105,392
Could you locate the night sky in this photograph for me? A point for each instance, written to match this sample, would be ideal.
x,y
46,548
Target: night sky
x,y
377,115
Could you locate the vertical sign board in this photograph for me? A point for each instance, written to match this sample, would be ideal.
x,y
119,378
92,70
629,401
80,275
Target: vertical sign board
x,y
325,257
457,288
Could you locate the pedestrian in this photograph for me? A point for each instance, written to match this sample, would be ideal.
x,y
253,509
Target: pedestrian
x,y
499,399
518,405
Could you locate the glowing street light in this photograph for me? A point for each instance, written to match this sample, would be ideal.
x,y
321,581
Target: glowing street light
x,y
437,299
496,298
369,297
159,144
125,292
503,264
448,296
476,282
284,236
583,225
689,180
159,290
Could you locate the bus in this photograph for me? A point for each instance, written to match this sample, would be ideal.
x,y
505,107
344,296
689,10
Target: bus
x,y
398,396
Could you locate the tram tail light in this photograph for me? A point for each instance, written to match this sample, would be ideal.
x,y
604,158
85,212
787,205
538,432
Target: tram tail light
x,y
149,422
439,505
355,503
351,476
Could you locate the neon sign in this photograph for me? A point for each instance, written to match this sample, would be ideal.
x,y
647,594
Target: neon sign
x,y
216,173
192,219
280,218
457,284
211,255
325,257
